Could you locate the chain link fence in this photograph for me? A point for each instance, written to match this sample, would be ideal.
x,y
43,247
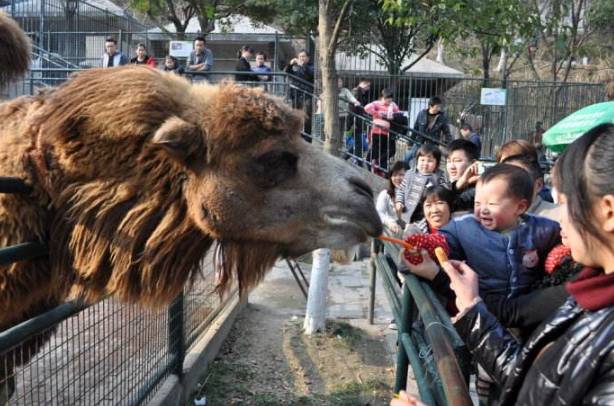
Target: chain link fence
x,y
107,353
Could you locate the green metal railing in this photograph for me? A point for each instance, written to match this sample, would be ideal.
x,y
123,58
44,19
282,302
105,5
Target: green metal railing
x,y
427,339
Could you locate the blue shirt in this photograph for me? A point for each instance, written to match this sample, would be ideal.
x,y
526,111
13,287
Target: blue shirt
x,y
506,263
477,141
262,70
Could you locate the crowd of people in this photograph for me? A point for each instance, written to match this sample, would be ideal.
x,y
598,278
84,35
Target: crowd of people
x,y
535,338
199,60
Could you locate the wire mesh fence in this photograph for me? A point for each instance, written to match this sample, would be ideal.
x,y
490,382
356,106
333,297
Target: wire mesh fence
x,y
107,353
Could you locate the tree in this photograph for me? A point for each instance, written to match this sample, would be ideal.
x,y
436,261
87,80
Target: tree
x,y
161,12
179,12
294,17
499,26
330,21
403,28
566,28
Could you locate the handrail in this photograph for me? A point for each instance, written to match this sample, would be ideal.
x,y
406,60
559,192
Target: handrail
x,y
19,333
438,336
368,120
437,333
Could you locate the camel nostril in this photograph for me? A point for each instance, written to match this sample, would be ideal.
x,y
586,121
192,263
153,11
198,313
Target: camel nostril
x,y
361,187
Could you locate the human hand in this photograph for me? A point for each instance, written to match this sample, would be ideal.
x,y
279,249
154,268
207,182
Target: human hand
x,y
469,177
356,103
293,61
399,207
394,228
411,229
405,399
463,281
427,269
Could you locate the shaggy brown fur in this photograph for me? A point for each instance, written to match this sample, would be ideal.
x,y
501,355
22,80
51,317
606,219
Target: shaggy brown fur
x,y
135,174
14,50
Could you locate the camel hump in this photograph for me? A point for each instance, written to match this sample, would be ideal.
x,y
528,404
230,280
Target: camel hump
x,y
14,50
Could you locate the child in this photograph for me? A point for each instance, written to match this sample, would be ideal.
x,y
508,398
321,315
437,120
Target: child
x,y
462,172
382,111
415,182
172,65
506,246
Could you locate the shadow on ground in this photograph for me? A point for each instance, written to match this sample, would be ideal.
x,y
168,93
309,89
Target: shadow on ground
x,y
294,369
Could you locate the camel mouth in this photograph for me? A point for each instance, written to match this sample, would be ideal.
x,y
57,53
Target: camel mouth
x,y
360,225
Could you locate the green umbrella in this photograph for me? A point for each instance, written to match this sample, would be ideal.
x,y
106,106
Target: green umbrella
x,y
574,125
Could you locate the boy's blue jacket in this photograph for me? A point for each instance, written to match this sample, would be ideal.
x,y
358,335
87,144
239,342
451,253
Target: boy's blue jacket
x,y
505,263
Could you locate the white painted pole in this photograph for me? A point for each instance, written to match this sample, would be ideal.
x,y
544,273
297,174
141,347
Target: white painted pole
x,y
315,316
440,53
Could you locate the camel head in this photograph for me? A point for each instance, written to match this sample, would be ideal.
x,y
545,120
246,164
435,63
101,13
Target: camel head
x,y
155,166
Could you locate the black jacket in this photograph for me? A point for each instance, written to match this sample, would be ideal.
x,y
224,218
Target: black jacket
x,y
304,72
464,199
439,131
244,66
568,360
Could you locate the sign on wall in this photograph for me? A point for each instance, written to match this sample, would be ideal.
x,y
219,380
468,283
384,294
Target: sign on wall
x,y
493,96
180,49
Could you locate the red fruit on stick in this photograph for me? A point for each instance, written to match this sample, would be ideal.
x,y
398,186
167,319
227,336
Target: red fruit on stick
x,y
556,257
427,242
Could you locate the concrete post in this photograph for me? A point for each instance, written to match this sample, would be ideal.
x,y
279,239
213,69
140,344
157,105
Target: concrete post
x,y
315,316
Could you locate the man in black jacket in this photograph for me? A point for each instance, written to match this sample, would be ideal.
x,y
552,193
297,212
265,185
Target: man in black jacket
x,y
301,90
433,123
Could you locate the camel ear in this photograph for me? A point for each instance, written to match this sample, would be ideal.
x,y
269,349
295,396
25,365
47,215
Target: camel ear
x,y
179,138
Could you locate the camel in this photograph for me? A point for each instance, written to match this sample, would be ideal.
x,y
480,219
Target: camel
x,y
135,174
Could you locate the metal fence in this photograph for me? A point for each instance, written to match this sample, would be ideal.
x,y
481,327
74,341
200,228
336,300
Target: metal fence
x,y
106,353
44,16
427,339
526,103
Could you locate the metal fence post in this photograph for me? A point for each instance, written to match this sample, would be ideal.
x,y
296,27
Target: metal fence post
x,y
372,280
404,325
176,339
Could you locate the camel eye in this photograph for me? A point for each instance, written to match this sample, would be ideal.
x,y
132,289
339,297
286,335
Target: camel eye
x,y
275,167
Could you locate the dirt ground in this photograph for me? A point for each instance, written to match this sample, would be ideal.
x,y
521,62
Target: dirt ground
x,y
267,360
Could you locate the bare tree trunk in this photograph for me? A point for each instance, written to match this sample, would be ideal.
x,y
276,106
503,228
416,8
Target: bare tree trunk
x,y
440,52
532,66
330,93
502,61
486,57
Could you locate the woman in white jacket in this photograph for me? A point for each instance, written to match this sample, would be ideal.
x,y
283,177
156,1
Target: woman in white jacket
x,y
385,200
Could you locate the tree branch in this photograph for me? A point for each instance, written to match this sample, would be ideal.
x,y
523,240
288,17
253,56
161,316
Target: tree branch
x,y
335,35
426,51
